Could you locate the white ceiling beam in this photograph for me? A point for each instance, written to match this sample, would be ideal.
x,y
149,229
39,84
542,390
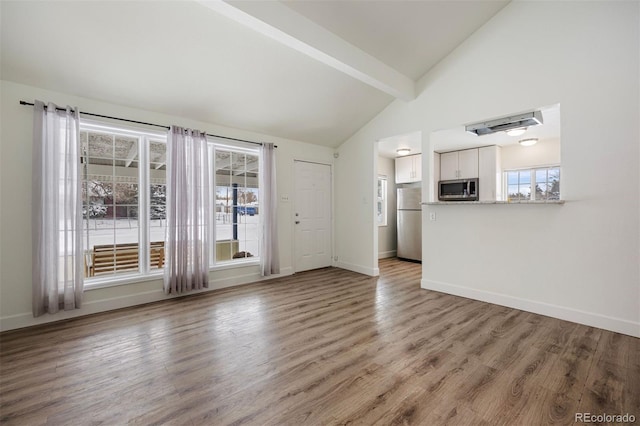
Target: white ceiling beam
x,y
132,154
161,161
275,20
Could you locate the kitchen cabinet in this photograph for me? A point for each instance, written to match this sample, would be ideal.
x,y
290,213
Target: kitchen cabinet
x,y
409,169
489,173
459,164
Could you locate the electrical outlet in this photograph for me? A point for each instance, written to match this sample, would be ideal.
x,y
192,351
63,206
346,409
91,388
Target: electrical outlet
x,y
284,198
432,216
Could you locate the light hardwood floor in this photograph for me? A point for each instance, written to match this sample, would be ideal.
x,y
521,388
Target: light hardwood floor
x,y
322,347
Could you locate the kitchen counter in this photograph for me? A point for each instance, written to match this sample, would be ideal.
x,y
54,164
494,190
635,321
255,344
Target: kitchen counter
x,y
438,203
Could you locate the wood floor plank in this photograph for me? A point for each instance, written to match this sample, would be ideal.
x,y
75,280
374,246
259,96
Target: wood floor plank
x,y
545,407
328,346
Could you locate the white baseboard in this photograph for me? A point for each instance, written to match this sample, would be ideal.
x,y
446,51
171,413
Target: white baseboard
x,y
385,254
373,272
26,319
618,325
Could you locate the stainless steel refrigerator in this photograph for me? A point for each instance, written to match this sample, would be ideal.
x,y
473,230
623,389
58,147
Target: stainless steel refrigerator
x,y
409,224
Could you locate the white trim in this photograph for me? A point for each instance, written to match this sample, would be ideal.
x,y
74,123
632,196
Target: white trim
x,y
386,254
240,146
372,272
26,319
236,263
618,325
105,281
94,283
120,128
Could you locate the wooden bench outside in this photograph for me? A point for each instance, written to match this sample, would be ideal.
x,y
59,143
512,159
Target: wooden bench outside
x,y
111,258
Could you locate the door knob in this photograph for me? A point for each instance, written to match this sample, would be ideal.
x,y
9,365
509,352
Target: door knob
x,y
297,222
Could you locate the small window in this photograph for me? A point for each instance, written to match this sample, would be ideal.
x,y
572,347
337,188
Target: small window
x,y
539,184
382,201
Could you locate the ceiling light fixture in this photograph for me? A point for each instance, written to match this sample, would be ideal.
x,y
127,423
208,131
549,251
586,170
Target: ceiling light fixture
x,y
516,132
528,142
403,151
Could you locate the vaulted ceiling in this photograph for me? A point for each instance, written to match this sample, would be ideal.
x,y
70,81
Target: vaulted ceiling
x,y
314,71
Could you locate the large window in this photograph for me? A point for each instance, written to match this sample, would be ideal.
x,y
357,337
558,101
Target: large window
x,y
539,184
237,209
111,200
124,201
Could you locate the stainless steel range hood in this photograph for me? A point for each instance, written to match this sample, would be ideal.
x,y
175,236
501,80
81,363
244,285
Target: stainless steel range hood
x,y
506,123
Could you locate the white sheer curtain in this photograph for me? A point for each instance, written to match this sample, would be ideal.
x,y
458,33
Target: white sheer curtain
x,y
188,215
269,253
57,273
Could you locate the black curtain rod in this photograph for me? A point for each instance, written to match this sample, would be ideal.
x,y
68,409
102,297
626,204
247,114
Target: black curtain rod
x,y
146,124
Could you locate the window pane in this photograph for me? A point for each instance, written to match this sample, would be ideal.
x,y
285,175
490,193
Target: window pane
x,y
126,193
525,176
126,149
110,203
247,236
157,203
541,191
553,189
512,178
513,192
236,205
541,176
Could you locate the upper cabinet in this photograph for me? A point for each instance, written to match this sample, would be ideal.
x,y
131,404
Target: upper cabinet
x,y
459,164
449,165
409,169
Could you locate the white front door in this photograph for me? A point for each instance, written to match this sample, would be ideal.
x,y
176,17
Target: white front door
x,y
312,216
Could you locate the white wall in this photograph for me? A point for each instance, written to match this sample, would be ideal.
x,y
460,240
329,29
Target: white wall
x,y
15,195
544,153
387,235
578,261
355,196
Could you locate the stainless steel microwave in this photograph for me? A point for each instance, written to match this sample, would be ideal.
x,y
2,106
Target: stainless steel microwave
x,y
458,190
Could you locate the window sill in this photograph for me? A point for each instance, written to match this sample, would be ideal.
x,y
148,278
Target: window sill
x,y
114,281
232,264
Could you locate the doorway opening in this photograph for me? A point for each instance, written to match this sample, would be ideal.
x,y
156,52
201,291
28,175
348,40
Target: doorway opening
x,y
399,166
